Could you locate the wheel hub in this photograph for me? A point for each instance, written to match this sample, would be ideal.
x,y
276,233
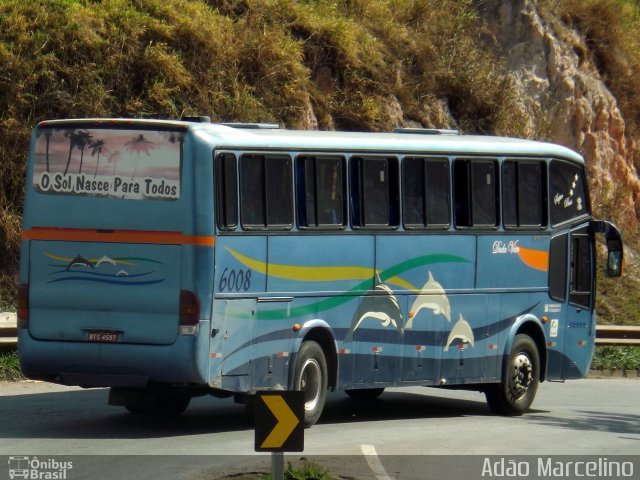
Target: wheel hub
x,y
521,375
310,383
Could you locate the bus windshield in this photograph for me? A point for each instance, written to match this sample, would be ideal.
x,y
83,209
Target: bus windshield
x,y
115,163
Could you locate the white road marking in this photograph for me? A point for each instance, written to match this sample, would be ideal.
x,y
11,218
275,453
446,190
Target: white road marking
x,y
371,456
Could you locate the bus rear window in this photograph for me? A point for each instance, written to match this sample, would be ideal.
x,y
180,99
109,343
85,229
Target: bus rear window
x,y
115,163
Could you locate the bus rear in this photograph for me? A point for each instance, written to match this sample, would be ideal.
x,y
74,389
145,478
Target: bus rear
x,y
108,293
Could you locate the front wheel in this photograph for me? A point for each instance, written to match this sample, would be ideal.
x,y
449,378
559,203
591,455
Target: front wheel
x,y
515,394
310,377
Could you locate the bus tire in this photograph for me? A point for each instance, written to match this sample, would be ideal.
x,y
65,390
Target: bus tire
x,y
310,377
364,393
172,404
162,404
515,394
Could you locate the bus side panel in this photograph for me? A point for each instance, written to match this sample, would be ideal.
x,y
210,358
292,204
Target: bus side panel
x,y
510,261
327,275
518,265
424,271
231,345
320,264
240,278
272,345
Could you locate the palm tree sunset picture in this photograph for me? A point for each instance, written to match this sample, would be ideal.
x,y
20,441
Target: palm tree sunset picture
x,y
105,162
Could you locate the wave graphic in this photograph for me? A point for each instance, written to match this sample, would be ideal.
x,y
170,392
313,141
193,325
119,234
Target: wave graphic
x,y
85,269
97,274
108,281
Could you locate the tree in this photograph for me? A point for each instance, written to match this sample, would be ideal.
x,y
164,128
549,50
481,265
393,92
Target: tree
x,y
139,144
97,147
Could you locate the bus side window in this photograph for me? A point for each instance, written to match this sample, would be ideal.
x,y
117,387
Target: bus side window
x,y
580,291
426,193
266,188
226,191
320,181
523,194
374,190
568,192
558,268
476,193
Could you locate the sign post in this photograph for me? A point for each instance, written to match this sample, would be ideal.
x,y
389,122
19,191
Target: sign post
x,y
279,426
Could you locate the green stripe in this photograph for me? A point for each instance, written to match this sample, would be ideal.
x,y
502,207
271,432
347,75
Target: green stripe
x,y
344,297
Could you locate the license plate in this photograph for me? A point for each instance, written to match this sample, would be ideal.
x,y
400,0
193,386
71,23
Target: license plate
x,y
103,337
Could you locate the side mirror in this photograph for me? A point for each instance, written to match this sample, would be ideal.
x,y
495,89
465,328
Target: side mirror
x,y
613,238
614,257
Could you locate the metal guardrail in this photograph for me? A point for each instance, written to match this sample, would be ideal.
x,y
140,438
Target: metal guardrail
x,y
8,331
617,335
605,334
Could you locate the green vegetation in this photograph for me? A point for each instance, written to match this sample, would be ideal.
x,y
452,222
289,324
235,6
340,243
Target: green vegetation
x,y
10,367
341,65
308,471
616,358
298,471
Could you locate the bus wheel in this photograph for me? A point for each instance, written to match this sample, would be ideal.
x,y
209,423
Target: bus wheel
x,y
310,377
515,394
164,404
172,404
365,393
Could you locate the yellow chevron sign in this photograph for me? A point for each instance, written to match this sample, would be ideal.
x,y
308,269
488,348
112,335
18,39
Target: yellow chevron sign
x,y
279,422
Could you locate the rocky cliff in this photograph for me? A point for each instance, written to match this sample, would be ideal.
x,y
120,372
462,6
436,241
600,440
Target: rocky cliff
x,y
561,88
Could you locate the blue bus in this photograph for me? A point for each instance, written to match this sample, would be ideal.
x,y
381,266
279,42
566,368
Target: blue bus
x,y
171,259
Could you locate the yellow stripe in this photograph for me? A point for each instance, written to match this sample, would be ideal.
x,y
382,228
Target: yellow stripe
x,y
314,273
304,274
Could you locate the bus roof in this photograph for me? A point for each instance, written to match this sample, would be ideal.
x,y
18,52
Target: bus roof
x,y
261,136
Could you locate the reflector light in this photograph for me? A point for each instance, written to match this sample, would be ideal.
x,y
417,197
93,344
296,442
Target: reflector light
x,y
23,305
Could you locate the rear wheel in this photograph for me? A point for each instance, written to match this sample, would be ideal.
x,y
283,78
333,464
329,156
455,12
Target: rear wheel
x,y
147,401
171,404
310,377
515,394
365,393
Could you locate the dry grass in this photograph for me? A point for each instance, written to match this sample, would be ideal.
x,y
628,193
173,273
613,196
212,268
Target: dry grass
x,y
611,29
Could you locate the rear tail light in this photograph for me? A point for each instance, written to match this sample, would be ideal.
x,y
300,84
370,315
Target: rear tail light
x,y
189,313
23,305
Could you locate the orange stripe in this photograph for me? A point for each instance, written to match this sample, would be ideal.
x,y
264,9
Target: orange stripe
x,y
537,259
117,236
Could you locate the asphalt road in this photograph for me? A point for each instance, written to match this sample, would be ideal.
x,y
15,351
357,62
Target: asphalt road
x,y
399,432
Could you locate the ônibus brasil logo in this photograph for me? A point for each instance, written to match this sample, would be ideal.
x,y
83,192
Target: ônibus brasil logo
x,y
38,469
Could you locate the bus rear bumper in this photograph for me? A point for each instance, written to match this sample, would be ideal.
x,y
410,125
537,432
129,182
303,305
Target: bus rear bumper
x,y
109,365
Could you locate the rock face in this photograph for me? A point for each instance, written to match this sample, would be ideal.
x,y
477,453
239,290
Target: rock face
x,y
567,93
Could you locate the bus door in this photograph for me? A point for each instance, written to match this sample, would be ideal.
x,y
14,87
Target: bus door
x,y
571,283
580,325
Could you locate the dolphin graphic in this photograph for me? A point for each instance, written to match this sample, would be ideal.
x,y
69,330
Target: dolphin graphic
x,y
105,259
79,262
122,273
432,297
461,331
382,306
